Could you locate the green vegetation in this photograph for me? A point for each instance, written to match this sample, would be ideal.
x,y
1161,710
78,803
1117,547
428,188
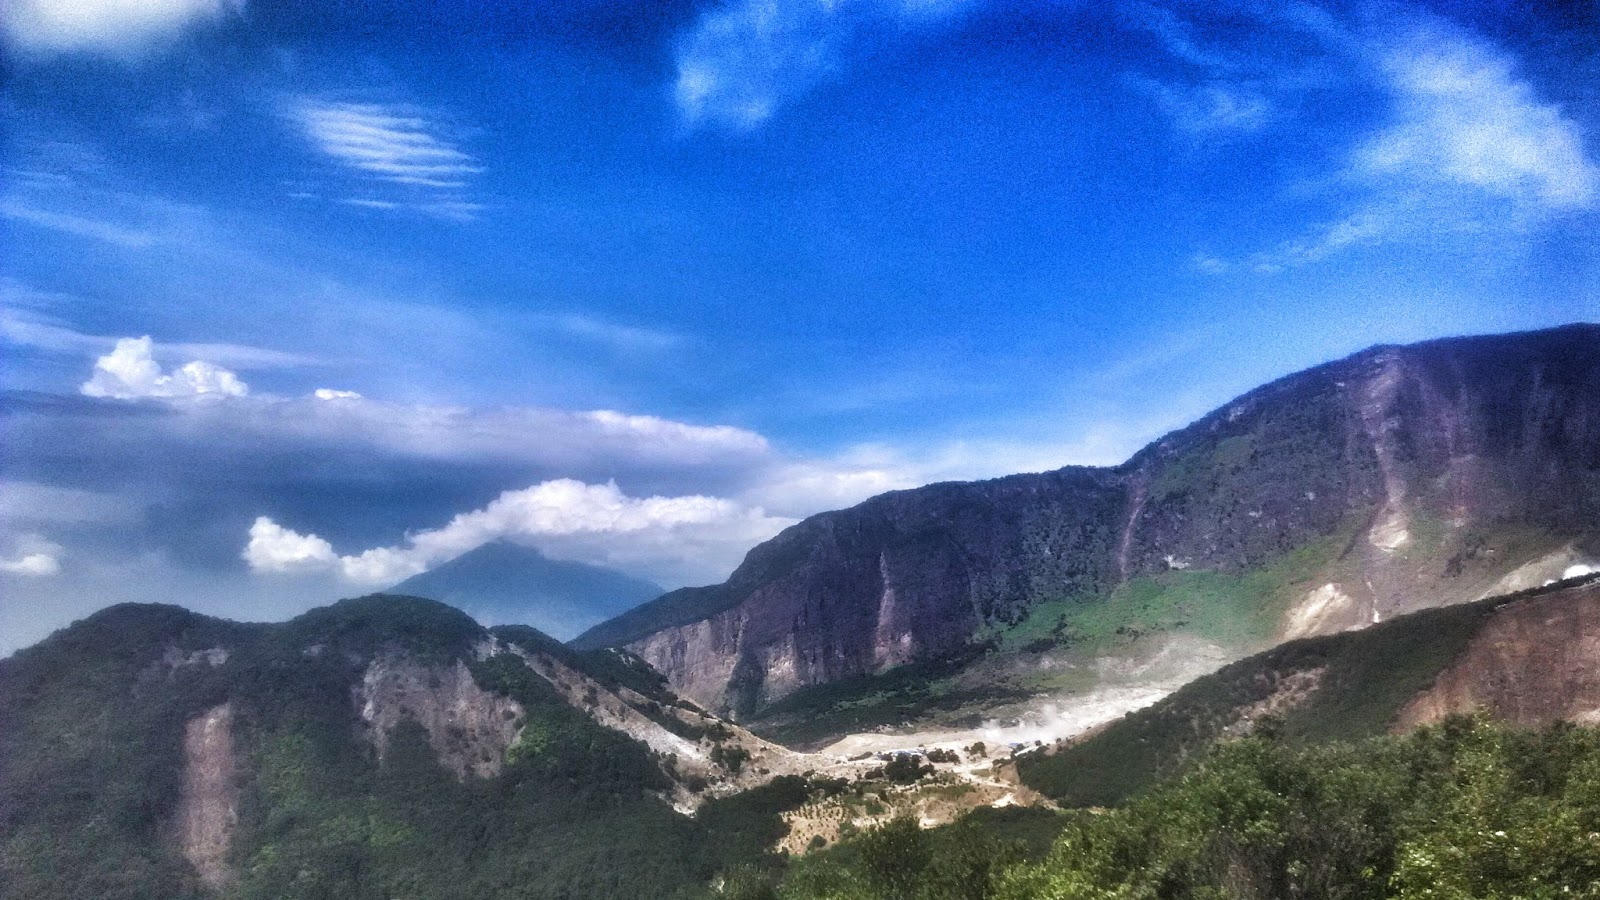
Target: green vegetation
x,y
91,729
1465,809
1234,610
1366,676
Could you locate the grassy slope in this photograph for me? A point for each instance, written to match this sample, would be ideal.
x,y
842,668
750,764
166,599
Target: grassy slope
x,y
1369,675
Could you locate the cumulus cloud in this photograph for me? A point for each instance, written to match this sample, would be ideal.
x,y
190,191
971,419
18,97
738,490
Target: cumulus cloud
x,y
741,61
670,537
130,372
103,25
33,557
273,548
396,146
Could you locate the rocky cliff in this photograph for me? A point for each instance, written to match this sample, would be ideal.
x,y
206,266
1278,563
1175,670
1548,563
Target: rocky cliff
x,y
1396,479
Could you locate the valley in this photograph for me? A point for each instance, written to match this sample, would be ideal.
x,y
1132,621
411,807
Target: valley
x,y
1354,555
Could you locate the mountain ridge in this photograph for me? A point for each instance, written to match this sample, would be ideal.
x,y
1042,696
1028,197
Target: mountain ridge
x,y
502,583
381,746
1437,468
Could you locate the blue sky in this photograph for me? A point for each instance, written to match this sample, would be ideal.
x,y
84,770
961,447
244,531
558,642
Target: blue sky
x,y
642,283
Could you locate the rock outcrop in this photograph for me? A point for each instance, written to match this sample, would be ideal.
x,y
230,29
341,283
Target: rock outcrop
x,y
468,728
1534,662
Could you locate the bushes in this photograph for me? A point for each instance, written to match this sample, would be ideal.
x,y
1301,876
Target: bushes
x,y
1466,809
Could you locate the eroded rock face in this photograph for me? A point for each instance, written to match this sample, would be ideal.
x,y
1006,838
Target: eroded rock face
x,y
1534,662
208,796
1326,610
468,728
1433,454
622,709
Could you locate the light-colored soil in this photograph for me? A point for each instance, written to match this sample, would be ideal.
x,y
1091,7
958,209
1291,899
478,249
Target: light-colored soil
x,y
208,795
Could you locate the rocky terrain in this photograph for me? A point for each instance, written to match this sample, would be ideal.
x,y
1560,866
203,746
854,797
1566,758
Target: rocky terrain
x,y
1529,659
1397,479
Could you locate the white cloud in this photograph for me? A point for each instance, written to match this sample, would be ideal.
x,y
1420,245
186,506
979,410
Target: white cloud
x,y
555,437
741,61
104,25
1463,117
34,557
33,564
273,548
1469,147
394,146
130,372
674,538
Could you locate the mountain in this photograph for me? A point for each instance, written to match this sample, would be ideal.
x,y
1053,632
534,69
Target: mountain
x,y
381,747
1447,753
1396,479
503,584
1527,660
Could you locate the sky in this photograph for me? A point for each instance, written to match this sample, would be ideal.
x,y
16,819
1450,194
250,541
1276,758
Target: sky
x,y
301,297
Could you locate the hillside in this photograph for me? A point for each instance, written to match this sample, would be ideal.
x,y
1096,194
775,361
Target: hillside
x,y
381,747
1396,479
501,583
1526,659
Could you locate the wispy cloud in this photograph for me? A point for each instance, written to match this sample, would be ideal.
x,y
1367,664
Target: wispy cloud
x,y
1463,117
78,226
116,26
1212,108
23,326
1468,147
1221,88
742,61
620,337
397,146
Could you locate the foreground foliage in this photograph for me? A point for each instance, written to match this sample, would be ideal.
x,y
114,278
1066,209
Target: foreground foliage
x,y
1466,809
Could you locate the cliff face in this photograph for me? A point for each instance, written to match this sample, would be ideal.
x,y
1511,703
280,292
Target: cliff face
x,y
904,576
1439,468
1533,663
